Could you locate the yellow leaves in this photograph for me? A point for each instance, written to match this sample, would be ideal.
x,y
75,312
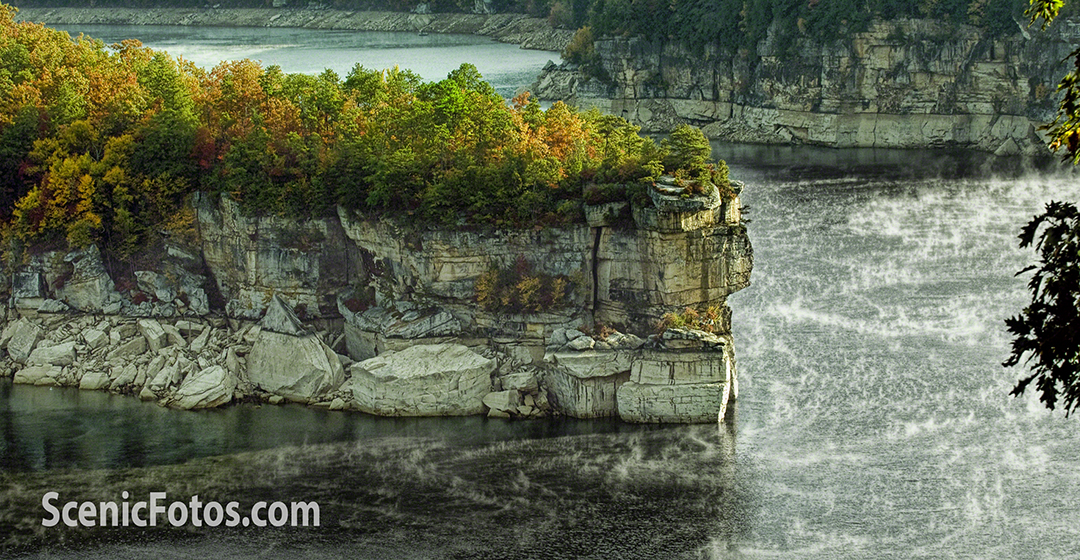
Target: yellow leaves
x,y
62,205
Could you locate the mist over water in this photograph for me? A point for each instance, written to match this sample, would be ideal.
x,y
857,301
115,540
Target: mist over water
x,y
874,409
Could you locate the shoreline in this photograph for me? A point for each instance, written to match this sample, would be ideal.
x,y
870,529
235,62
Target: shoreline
x,y
527,32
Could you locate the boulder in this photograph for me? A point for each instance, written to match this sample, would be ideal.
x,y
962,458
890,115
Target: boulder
x,y
95,338
423,380
414,325
125,330
593,363
7,333
280,319
502,404
558,338
690,403
153,369
167,377
188,328
581,343
58,355
199,344
523,381
359,343
208,388
24,338
95,379
53,306
38,375
299,368
155,335
173,335
126,377
129,349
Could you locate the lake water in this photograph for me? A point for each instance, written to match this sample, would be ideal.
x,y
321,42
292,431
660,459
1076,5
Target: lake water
x,y
873,419
508,68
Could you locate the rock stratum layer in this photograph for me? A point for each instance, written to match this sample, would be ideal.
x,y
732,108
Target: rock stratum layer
x,y
529,33
381,316
901,84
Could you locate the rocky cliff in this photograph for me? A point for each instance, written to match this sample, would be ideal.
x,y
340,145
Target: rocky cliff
x,y
901,84
383,316
530,33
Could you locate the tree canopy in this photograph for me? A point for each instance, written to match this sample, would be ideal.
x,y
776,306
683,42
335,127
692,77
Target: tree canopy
x,y
102,144
1047,331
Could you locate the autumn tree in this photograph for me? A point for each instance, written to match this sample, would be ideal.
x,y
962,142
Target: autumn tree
x,y
103,144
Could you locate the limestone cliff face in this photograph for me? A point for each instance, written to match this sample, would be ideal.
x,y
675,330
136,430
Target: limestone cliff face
x,y
901,84
396,305
529,32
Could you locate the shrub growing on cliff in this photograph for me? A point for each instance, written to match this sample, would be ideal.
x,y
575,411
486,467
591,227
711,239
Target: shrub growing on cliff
x,y
521,289
581,50
687,155
708,320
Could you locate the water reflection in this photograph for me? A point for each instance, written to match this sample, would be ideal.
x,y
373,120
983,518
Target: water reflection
x,y
663,492
47,428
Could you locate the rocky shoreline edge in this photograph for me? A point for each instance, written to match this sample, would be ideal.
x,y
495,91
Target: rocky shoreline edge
x,y
208,362
528,32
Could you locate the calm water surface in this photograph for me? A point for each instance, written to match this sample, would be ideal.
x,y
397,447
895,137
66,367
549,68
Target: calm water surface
x,y
508,68
873,420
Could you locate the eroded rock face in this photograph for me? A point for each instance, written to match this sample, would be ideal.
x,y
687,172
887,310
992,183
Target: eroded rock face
x,y
588,397
687,377
250,257
902,84
90,288
424,380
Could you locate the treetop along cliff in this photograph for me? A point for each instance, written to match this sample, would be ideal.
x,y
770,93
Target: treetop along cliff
x,y
102,144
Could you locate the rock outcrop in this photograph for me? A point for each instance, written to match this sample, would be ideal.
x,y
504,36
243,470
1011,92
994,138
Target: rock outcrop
x,y
396,307
901,84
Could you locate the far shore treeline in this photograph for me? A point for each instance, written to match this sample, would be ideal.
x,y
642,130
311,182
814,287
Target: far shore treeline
x,y
728,24
104,144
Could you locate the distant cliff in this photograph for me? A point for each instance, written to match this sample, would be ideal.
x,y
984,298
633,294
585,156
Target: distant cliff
x,y
901,84
530,33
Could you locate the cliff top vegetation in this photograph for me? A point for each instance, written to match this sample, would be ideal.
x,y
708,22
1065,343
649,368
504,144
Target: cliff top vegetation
x,y
102,144
740,25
